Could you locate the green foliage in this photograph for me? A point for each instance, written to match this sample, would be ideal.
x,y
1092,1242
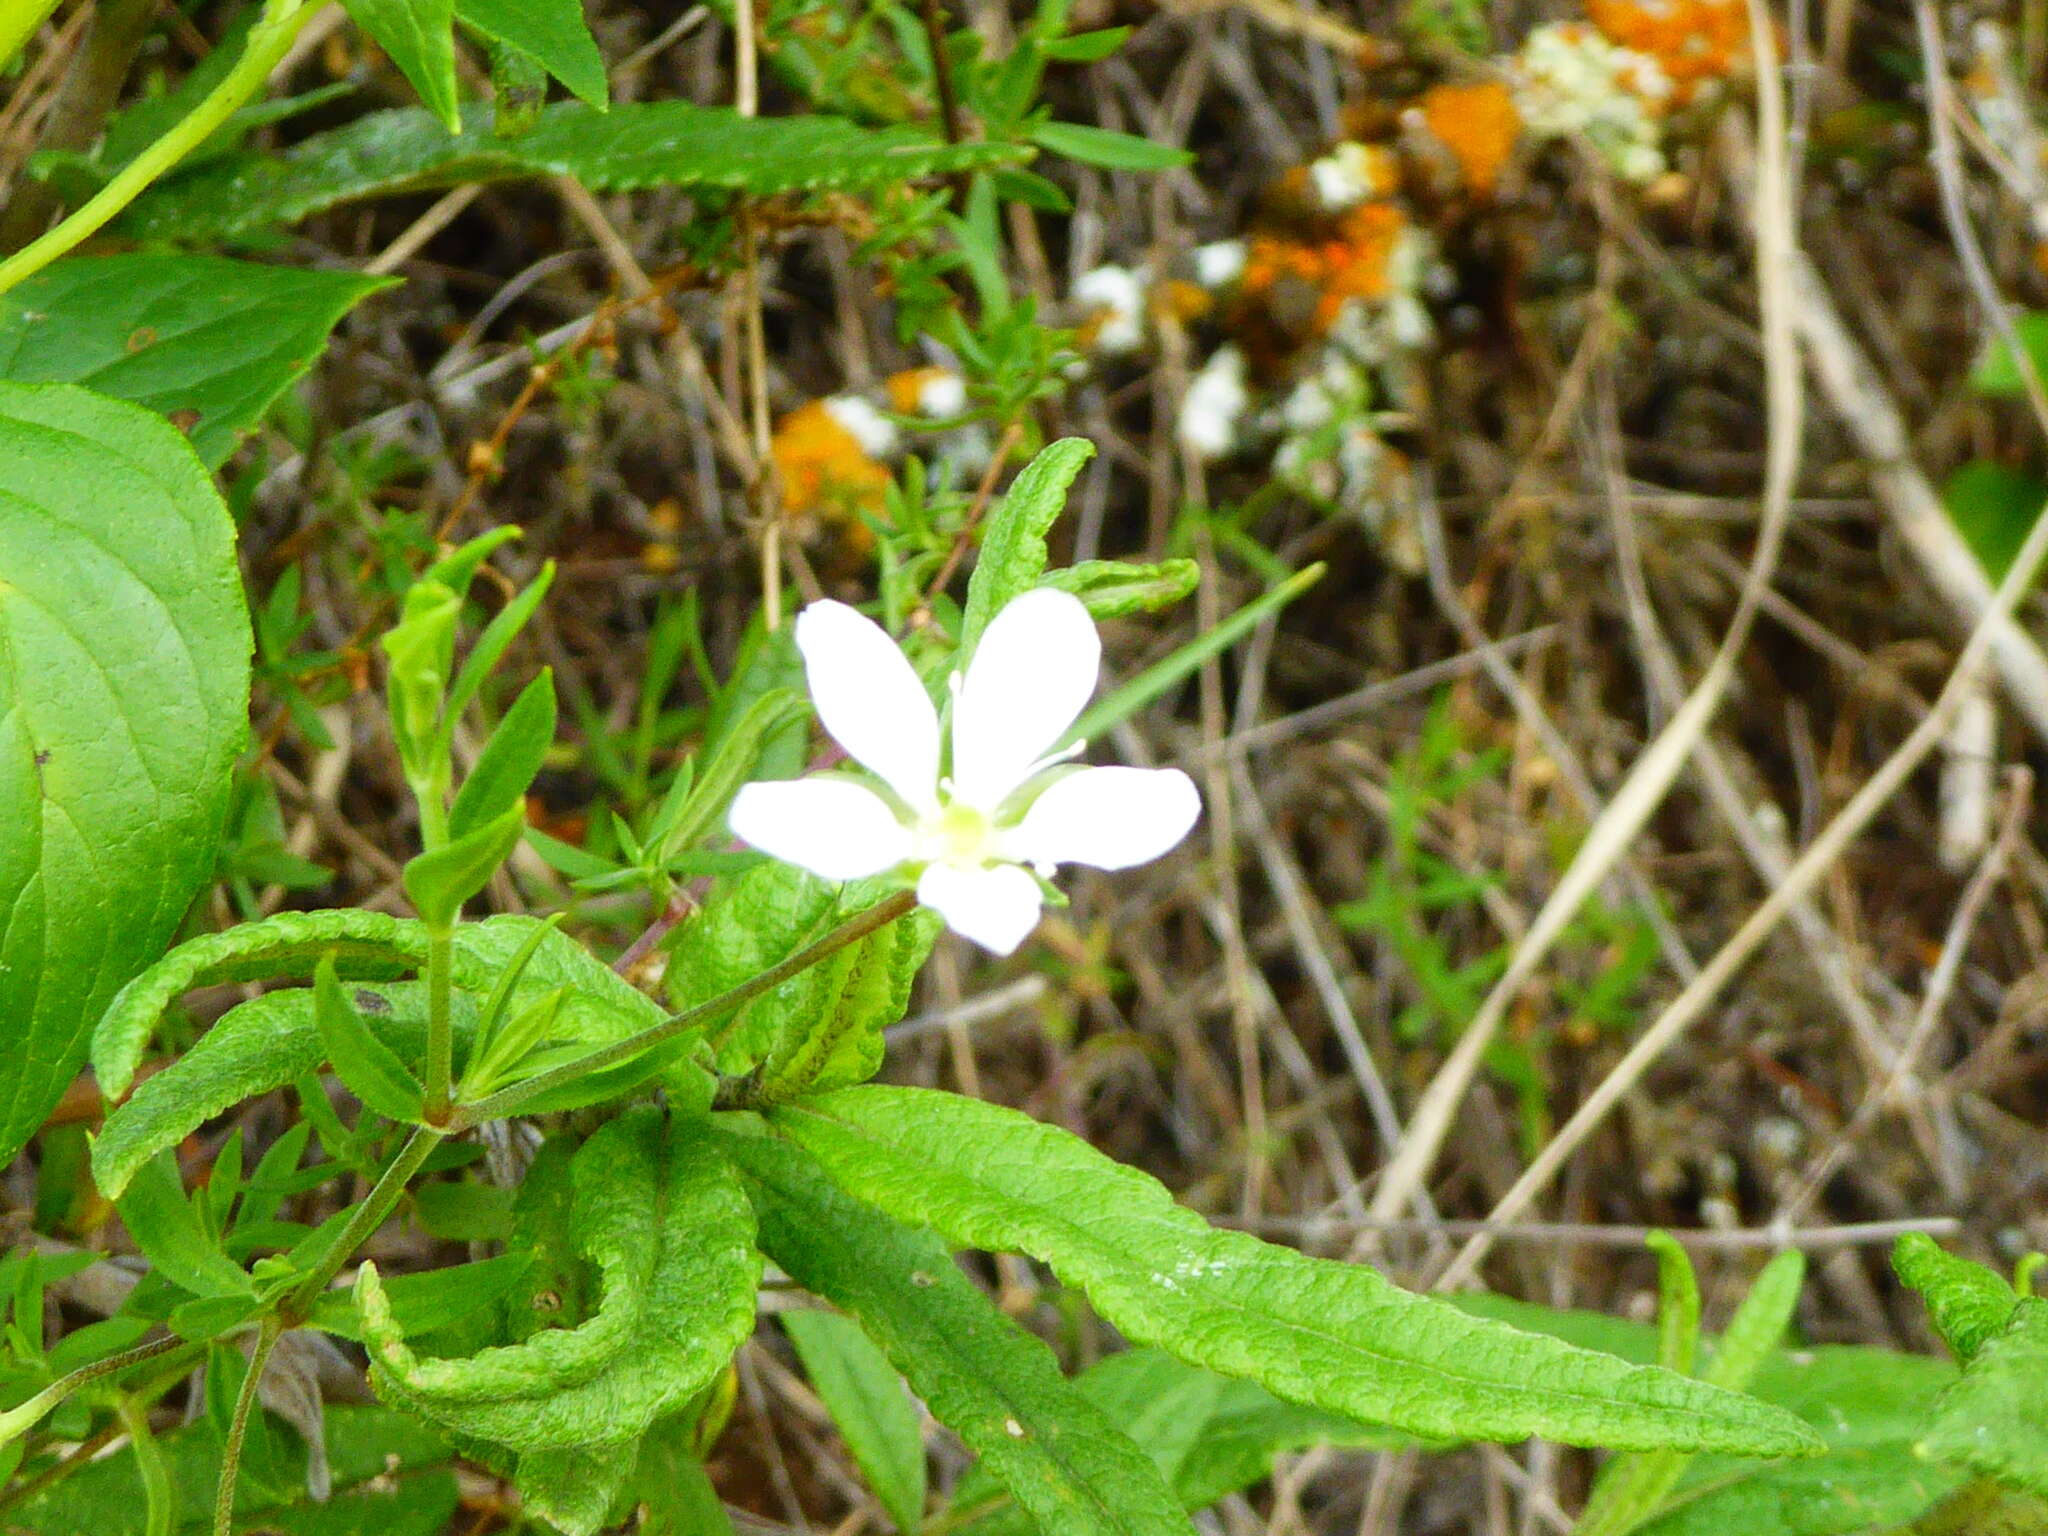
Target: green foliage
x,y
418,36
1994,507
1104,147
634,145
1997,372
1332,1336
660,1216
868,1403
994,1385
1995,1419
1966,1303
208,342
550,32
1013,553
1111,589
124,685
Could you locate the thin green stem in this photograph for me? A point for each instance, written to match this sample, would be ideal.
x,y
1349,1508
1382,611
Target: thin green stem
x,y
498,1105
269,39
17,1419
440,1024
160,1499
238,1429
367,1218
18,24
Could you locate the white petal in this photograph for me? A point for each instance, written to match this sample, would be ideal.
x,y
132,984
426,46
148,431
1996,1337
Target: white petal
x,y
1029,678
833,827
996,906
1111,818
870,699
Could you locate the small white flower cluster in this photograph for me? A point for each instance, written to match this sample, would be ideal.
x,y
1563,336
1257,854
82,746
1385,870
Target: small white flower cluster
x,y
1113,299
1213,409
1570,80
878,436
1351,174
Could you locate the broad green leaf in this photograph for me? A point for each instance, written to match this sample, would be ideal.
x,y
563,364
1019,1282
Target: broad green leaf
x,y
1998,372
1113,588
371,1070
1994,507
997,1387
634,145
429,1301
166,1228
254,1048
1966,1302
1995,1419
575,1489
854,995
208,342
1013,554
551,33
418,35
664,1221
866,1398
1108,148
124,690
675,1493
390,1478
1330,1335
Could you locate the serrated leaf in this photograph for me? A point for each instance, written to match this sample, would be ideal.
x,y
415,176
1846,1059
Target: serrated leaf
x,y
418,36
428,1301
1995,1419
203,340
997,1387
632,146
1966,1302
124,690
1112,588
1013,553
875,1415
852,997
371,1070
550,32
1108,148
1334,1336
390,1478
664,1221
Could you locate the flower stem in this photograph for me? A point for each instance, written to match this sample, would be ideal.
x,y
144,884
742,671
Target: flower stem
x,y
238,1429
440,1023
269,39
159,1498
23,1416
507,1101
367,1218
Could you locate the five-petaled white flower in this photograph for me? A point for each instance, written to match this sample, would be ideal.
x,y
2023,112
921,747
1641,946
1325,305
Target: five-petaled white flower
x,y
1004,798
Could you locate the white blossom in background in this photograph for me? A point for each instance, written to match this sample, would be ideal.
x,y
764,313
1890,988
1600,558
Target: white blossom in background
x,y
1215,403
1351,174
1115,298
1219,263
876,433
1002,804
1568,80
941,394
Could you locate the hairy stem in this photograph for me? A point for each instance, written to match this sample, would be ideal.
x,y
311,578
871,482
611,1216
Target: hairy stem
x,y
15,1420
367,1218
440,1024
507,1101
272,35
238,1429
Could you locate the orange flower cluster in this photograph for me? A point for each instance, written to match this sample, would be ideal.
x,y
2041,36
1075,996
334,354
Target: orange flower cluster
x,y
1695,42
1351,263
1479,125
822,468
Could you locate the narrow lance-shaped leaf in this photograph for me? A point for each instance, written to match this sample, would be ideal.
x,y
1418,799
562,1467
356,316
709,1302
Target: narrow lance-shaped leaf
x,y
419,37
505,768
867,1401
1112,588
124,689
1013,553
370,1068
166,1228
1335,1336
996,1386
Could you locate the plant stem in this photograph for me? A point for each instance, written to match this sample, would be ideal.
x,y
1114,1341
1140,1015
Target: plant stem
x,y
272,35
440,1024
18,25
506,1102
382,1199
238,1430
159,1497
17,1419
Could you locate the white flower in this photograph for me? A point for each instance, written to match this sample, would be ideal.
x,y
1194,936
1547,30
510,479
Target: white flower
x,y
1115,298
1217,397
1219,263
876,433
1350,174
1002,801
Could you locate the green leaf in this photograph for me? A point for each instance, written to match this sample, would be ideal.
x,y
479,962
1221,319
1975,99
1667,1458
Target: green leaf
x,y
1330,1335
208,342
574,1490
1995,1419
1966,1302
835,1039
426,1302
418,35
664,1221
1013,555
369,1067
124,690
758,919
997,1387
506,766
390,1478
680,826
1086,47
441,881
868,1403
1997,372
1108,148
166,1228
1994,507
550,32
1113,588
633,146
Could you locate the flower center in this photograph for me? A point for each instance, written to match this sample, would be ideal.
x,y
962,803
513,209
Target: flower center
x,y
959,834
